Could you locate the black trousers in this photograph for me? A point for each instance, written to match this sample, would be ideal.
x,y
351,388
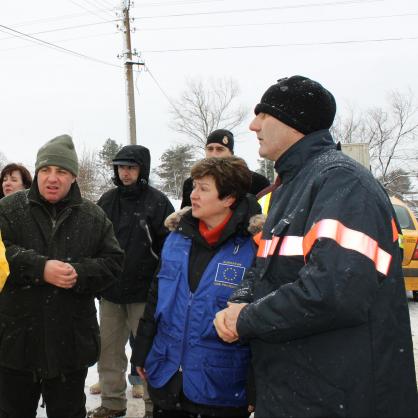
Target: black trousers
x,y
165,413
63,396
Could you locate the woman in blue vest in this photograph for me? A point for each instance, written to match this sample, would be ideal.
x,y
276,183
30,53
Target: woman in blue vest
x,y
190,371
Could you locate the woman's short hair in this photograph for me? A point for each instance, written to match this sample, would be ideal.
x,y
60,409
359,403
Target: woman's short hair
x,y
24,172
231,174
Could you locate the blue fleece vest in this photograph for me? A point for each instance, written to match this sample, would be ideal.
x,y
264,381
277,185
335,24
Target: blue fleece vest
x,y
214,372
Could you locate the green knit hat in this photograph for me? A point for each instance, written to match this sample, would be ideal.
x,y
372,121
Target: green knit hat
x,y
59,151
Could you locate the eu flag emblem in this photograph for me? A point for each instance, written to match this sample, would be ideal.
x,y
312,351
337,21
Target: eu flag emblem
x,y
229,274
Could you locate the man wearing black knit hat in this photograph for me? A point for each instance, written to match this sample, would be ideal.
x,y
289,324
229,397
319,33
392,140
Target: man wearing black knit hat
x,y
220,144
324,310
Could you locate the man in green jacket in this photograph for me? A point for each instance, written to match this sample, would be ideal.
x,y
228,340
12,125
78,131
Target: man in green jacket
x,y
61,250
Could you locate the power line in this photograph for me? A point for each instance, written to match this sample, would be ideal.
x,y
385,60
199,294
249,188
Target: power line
x,y
67,28
260,9
52,18
353,41
177,15
179,3
77,15
88,10
162,90
97,35
106,3
97,6
283,22
56,47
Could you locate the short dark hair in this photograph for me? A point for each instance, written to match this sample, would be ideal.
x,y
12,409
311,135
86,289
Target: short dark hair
x,y
24,172
231,174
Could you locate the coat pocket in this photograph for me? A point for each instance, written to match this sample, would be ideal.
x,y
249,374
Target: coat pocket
x,y
224,376
168,281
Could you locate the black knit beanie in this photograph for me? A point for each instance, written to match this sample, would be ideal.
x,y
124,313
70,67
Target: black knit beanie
x,y
223,137
60,152
299,102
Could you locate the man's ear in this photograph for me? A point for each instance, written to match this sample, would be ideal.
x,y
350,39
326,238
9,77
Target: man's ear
x,y
74,179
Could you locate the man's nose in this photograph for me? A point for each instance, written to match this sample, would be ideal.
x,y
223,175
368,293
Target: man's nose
x,y
254,125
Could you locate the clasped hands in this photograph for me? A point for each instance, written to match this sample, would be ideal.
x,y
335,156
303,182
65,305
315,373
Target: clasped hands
x,y
225,322
60,274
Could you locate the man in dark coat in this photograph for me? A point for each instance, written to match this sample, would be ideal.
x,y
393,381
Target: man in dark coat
x,y
61,250
137,212
324,309
220,144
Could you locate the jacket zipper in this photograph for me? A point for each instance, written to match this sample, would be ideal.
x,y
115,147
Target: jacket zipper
x,y
55,225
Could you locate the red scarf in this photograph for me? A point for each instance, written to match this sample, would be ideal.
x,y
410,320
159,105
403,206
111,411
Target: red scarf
x,y
212,236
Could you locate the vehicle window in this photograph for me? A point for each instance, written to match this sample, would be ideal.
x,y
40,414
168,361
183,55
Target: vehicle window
x,y
404,218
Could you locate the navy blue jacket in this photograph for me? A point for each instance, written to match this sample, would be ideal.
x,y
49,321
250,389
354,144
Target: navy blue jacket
x,y
327,318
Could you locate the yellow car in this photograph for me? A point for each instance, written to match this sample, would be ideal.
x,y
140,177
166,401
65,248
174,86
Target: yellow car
x,y
409,240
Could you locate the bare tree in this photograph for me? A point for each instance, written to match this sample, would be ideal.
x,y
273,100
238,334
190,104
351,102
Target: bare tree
x,y
3,160
206,106
350,129
88,175
397,183
391,134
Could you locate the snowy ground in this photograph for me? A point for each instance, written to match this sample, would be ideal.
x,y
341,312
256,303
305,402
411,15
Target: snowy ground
x,y
136,406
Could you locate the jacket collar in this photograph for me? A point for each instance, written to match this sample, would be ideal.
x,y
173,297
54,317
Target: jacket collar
x,y
292,161
132,191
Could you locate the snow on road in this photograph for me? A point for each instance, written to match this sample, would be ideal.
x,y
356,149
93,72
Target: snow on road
x,y
136,406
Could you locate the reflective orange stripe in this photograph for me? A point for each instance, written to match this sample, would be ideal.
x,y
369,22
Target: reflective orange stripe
x,y
263,248
267,246
291,245
394,231
332,229
350,239
273,245
257,238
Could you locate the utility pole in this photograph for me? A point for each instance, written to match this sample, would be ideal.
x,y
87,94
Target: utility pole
x,y
129,82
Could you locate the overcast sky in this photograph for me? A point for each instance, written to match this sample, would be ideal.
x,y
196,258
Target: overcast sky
x,y
359,50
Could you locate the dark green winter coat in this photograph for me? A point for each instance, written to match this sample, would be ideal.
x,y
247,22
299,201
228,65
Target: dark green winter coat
x,y
43,328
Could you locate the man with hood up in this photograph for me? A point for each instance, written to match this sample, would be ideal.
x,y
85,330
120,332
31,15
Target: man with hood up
x,y
137,212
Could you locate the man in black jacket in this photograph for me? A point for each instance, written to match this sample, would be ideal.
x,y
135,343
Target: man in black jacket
x,y
324,309
220,144
61,250
137,212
